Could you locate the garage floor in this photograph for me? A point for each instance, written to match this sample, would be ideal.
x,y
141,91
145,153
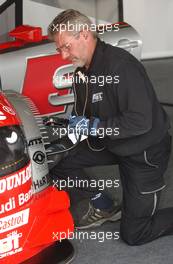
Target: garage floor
x,y
92,247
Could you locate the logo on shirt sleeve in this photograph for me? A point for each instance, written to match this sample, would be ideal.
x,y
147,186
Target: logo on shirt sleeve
x,y
97,97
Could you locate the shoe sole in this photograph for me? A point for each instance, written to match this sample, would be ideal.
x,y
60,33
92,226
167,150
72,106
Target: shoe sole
x,y
113,218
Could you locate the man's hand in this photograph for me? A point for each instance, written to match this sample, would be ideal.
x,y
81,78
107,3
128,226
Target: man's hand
x,y
83,125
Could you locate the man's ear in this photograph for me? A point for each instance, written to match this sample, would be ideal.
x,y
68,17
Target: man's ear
x,y
84,33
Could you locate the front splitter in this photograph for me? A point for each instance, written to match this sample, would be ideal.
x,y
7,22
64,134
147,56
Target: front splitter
x,y
58,253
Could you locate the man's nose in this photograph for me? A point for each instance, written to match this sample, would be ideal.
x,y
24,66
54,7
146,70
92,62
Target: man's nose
x,y
65,54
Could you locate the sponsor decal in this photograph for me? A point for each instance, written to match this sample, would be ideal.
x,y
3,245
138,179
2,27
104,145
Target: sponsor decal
x,y
15,180
35,141
8,206
39,157
14,221
25,197
10,244
40,183
13,202
15,189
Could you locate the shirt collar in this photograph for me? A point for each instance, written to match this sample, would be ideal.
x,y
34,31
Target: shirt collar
x,y
97,61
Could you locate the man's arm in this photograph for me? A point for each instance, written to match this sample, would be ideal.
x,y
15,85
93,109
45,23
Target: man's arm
x,y
135,103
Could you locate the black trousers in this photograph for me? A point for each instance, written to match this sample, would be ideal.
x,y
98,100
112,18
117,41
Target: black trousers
x,y
142,182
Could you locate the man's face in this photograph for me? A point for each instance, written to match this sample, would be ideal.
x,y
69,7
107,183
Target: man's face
x,y
72,47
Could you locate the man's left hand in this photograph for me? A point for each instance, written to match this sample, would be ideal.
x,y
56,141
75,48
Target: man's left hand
x,y
83,125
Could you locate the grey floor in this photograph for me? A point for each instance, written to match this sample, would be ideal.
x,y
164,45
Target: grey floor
x,y
92,247
117,252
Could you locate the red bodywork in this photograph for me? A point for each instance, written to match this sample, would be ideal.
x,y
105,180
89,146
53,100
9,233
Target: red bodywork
x,y
8,115
29,222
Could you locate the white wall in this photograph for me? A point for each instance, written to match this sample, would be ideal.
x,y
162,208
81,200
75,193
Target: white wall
x,y
38,14
7,22
153,21
104,10
2,1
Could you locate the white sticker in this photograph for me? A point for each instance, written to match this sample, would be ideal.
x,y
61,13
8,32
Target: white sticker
x,y
2,116
14,221
10,244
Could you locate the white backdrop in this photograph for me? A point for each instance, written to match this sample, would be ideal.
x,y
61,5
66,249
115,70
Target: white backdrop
x,y
7,22
153,21
39,14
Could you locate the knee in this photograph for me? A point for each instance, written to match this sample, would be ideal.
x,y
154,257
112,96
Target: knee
x,y
130,239
134,235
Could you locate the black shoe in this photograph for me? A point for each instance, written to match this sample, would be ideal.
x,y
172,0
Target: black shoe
x,y
96,217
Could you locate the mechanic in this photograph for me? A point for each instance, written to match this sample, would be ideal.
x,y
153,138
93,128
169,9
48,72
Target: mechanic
x,y
135,131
